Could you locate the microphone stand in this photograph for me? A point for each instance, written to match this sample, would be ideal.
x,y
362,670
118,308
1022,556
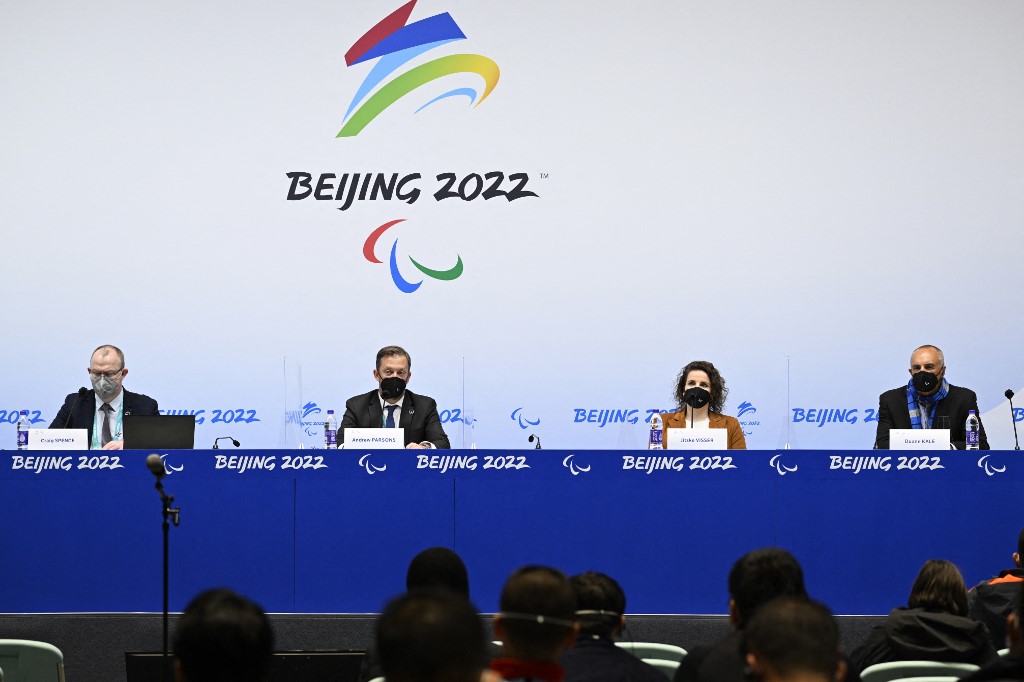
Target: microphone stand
x,y
169,514
1013,418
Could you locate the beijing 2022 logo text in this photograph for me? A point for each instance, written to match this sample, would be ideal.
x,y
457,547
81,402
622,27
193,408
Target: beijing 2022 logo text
x,y
395,43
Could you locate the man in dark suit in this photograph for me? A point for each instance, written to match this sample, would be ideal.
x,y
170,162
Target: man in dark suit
x,y
934,401
391,405
102,409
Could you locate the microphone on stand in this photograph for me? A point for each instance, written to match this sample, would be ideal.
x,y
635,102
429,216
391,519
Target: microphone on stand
x,y
1013,418
155,464
82,392
233,441
156,467
535,438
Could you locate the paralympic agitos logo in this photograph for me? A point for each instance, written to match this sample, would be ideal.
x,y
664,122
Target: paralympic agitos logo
x,y
395,43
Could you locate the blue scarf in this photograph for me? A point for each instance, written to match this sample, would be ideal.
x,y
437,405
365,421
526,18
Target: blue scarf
x,y
914,399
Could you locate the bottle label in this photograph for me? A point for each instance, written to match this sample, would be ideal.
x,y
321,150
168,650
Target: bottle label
x,y
655,438
22,439
330,437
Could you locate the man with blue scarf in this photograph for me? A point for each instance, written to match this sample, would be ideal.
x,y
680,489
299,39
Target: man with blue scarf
x,y
928,401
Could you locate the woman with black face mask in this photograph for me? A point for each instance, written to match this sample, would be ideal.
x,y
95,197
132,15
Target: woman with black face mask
x,y
700,394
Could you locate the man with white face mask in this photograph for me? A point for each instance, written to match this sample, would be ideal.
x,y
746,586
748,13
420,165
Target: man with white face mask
x,y
928,401
102,410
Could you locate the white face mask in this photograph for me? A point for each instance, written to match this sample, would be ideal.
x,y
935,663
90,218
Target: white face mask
x,y
105,388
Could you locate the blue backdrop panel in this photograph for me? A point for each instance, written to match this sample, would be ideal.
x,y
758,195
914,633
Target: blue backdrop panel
x,y
661,539
79,545
234,531
334,532
354,538
867,535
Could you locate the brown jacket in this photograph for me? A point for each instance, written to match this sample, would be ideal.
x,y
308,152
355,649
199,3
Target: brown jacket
x,y
678,420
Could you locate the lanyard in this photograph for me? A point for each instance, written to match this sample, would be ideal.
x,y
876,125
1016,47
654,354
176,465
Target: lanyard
x,y
97,425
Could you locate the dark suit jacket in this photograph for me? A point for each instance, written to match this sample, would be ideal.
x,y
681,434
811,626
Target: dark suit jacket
x,y
84,414
419,418
894,414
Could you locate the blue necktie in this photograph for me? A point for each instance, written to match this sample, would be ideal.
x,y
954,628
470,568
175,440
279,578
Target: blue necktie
x,y
389,423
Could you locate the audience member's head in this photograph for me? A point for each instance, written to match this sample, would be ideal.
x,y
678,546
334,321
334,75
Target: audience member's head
x,y
759,576
1020,550
538,614
223,637
792,639
939,587
431,636
438,567
600,604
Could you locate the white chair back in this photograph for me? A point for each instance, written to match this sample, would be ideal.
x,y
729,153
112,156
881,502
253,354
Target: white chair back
x,y
898,670
665,666
24,660
665,652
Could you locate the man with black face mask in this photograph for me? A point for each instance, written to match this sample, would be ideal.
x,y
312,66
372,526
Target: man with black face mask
x,y
102,409
927,401
392,406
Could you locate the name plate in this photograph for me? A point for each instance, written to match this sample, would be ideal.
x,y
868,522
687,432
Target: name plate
x,y
697,439
919,439
58,439
376,439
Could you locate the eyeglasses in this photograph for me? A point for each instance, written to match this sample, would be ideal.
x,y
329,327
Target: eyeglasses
x,y
107,375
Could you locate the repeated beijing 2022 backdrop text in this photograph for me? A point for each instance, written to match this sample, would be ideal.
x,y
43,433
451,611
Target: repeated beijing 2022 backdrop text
x,y
552,205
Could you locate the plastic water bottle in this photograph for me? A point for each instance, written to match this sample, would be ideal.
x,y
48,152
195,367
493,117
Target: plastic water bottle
x,y
23,426
331,431
654,443
973,428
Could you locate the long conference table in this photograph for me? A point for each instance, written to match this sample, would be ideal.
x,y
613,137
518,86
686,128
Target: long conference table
x,y
332,531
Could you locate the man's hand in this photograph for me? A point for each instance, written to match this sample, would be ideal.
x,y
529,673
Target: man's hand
x,y
424,445
114,445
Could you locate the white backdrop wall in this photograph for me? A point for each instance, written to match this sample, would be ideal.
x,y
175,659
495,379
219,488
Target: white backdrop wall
x,y
801,192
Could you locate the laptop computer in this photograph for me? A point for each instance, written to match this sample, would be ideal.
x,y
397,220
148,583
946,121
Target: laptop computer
x,y
159,432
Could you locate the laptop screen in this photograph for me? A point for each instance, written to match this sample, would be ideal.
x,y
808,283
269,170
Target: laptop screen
x,y
165,431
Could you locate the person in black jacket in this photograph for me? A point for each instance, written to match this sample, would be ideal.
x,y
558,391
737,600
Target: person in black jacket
x,y
794,640
993,600
435,569
223,636
1011,666
933,627
390,405
926,401
600,605
431,636
755,579
101,411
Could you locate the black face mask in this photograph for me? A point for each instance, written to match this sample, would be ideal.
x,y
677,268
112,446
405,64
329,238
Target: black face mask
x,y
392,388
925,382
696,397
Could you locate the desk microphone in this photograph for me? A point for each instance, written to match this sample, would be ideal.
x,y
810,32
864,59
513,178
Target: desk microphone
x,y
234,442
82,392
535,438
156,466
1013,418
